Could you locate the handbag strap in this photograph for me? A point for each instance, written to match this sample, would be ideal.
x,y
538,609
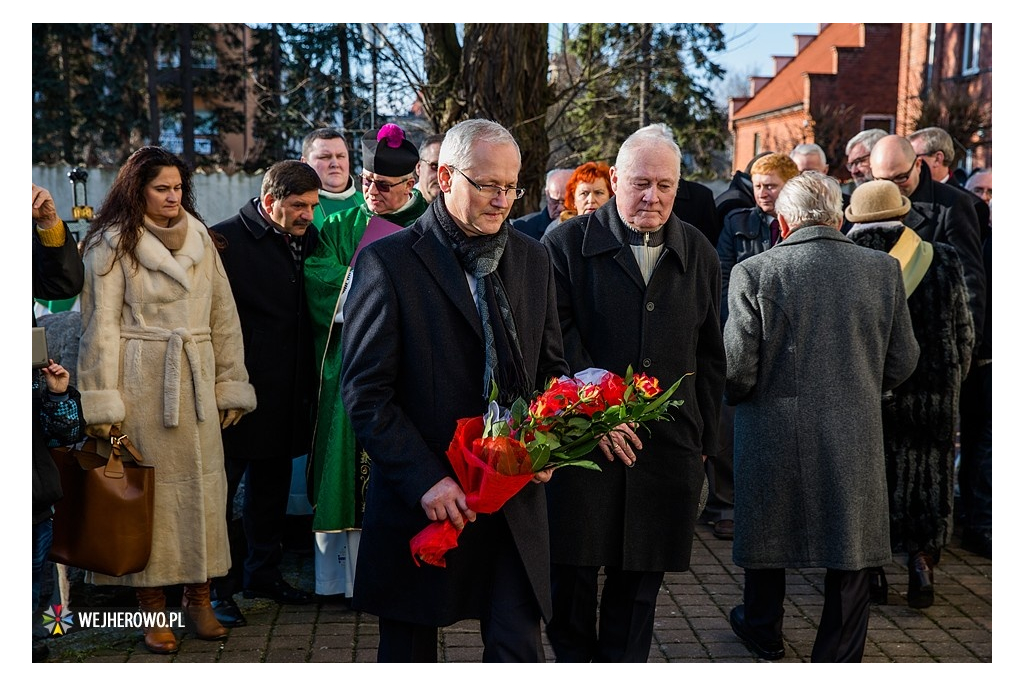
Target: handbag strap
x,y
118,442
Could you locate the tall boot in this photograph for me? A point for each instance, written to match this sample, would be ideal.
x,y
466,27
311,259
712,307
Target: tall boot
x,y
196,601
159,640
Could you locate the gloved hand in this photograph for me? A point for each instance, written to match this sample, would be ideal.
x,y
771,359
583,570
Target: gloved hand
x,y
229,417
100,431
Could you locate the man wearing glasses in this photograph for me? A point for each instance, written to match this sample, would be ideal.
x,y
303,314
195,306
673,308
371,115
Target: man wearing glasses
x,y
389,159
435,314
939,213
858,154
426,167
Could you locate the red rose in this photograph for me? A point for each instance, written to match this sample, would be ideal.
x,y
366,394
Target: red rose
x,y
646,385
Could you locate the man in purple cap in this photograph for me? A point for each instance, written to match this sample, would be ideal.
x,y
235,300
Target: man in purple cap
x,y
388,181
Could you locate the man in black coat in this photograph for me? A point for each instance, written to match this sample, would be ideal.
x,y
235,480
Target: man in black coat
x,y
267,243
939,213
636,287
424,336
534,224
695,205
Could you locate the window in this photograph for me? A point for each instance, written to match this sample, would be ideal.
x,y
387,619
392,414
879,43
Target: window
x,y
757,144
971,62
882,121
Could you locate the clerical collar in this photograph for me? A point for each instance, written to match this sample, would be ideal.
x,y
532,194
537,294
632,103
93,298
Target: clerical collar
x,y
645,238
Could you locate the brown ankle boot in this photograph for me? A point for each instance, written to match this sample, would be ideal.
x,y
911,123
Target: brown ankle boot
x,y
196,600
159,640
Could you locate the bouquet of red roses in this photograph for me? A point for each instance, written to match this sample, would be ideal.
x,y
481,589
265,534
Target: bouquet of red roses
x,y
494,456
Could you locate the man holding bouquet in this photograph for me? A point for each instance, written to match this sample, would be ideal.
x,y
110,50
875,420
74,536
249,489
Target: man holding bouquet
x,y
436,313
636,286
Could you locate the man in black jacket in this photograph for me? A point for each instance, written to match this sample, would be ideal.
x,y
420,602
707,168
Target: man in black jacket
x,y
267,243
940,214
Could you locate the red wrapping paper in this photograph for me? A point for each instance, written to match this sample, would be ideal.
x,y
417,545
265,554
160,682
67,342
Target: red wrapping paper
x,y
489,470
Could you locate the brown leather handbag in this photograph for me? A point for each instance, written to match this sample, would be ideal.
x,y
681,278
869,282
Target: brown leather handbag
x,y
104,521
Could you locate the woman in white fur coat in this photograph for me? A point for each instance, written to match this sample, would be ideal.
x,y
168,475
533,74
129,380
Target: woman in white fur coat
x,y
161,358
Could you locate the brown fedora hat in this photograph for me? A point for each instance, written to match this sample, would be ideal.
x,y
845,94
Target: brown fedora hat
x,y
877,201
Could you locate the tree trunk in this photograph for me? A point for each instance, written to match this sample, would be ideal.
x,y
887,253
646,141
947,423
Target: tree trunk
x,y
188,119
348,114
504,69
645,74
442,61
151,84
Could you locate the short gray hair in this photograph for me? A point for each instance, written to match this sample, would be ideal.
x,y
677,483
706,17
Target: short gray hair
x,y
654,133
936,140
810,149
457,148
811,199
866,138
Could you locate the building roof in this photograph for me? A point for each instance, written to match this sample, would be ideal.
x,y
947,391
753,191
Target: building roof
x,y
786,88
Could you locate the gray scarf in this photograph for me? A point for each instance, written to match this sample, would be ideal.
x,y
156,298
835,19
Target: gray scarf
x,y
479,256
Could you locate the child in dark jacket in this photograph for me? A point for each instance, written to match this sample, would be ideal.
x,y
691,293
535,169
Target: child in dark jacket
x,y
56,420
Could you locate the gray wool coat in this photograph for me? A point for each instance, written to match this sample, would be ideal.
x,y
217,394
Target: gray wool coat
x,y
818,329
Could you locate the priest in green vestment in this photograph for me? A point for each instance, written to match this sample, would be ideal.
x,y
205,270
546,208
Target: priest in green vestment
x,y
326,151
338,468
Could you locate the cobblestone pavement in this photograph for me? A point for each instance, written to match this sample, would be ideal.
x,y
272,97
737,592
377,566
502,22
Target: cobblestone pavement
x,y
692,620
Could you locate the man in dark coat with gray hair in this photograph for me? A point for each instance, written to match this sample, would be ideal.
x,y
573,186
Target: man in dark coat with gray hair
x,y
636,286
818,329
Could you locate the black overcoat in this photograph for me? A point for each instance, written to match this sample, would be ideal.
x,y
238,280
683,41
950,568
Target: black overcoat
x,y
269,292
413,366
638,518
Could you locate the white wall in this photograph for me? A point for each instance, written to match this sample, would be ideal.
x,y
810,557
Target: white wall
x,y
218,196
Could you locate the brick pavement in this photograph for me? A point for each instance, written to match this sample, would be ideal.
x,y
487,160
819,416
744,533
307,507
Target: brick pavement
x,y
691,626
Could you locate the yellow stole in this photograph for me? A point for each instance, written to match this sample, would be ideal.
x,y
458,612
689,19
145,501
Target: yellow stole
x,y
914,256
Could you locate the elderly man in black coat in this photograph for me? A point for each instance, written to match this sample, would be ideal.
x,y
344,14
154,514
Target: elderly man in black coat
x,y
939,213
436,312
266,244
818,329
636,286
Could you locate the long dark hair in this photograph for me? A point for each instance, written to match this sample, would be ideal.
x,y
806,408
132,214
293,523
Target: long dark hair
x,y
125,204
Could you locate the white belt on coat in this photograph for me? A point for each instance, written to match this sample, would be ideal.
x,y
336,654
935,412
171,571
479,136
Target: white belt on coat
x,y
177,340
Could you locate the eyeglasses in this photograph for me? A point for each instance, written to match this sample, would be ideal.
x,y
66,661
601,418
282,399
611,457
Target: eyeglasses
x,y
382,186
432,165
902,178
860,161
494,191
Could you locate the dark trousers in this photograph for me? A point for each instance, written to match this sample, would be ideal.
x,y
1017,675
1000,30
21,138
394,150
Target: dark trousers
x,y
628,603
843,628
264,504
509,623
975,475
719,470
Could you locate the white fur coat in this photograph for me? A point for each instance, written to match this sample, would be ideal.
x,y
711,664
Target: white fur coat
x,y
160,354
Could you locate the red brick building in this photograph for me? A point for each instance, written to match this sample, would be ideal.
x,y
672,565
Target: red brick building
x,y
840,81
851,77
949,66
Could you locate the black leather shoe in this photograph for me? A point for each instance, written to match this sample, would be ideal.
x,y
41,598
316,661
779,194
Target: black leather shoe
x,y
771,651
920,583
724,529
978,542
279,591
227,612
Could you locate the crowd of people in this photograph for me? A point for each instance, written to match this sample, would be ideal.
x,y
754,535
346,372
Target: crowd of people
x,y
824,383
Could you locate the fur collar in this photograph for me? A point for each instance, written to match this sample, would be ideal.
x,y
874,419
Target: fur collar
x,y
153,256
